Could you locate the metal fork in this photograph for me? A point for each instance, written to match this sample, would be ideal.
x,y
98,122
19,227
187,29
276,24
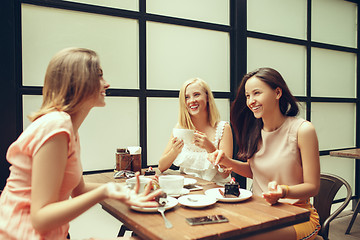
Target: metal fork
x,y
167,222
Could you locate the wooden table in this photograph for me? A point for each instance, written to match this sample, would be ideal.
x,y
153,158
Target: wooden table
x,y
354,154
245,218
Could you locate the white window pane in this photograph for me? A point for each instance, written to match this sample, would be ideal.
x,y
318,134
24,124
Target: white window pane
x,y
176,53
343,167
334,22
302,110
45,31
104,129
279,17
334,124
223,106
123,4
162,116
159,130
31,103
333,73
107,128
288,59
214,11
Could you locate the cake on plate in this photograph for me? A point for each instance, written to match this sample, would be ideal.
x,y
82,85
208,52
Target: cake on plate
x,y
149,172
232,189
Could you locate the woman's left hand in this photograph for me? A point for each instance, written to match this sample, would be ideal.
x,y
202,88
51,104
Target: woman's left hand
x,y
274,194
132,197
201,140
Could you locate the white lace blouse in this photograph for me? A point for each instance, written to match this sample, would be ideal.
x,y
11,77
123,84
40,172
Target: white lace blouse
x,y
192,159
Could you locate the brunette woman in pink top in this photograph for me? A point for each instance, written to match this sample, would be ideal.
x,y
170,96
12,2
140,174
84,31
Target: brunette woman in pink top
x,y
278,150
45,160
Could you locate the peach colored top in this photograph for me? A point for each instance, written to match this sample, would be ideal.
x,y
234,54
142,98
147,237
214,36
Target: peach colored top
x,y
278,158
15,200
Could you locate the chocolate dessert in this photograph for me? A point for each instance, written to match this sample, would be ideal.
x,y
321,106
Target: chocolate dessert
x,y
149,172
232,189
161,199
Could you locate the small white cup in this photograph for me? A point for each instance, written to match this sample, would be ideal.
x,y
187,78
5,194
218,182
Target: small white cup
x,y
143,182
187,135
172,184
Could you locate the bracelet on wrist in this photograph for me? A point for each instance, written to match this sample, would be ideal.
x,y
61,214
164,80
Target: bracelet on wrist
x,y
285,189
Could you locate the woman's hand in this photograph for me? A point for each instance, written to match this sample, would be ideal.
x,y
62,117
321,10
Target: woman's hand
x,y
226,170
274,194
218,157
132,197
201,140
177,145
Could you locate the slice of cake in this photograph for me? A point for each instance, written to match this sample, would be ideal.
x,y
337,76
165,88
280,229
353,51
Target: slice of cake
x,y
161,199
232,189
149,172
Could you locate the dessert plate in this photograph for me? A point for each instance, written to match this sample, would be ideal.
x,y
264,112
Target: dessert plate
x,y
189,181
215,193
183,192
172,202
197,200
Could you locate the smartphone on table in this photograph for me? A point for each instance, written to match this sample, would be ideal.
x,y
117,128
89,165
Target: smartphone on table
x,y
206,219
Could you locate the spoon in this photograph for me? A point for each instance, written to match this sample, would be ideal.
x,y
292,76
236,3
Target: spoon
x,y
192,200
220,169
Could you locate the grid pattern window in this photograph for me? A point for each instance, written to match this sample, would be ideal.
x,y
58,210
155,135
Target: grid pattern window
x,y
313,44
147,50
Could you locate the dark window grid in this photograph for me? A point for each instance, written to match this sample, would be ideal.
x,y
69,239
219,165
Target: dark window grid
x,y
142,93
239,56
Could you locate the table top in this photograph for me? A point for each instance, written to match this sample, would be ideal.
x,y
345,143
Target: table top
x,y
348,153
245,218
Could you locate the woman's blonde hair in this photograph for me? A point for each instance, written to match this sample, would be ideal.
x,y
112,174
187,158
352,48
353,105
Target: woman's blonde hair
x,y
184,116
71,78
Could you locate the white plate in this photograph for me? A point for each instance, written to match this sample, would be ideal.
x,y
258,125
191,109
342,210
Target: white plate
x,y
189,181
197,200
172,202
183,192
214,192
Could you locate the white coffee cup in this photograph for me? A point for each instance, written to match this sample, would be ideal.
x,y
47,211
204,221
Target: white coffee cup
x,y
143,182
172,184
187,135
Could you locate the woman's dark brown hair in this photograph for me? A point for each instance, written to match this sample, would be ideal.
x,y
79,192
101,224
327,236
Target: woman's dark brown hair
x,y
246,127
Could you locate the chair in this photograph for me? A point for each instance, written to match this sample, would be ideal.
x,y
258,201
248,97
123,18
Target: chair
x,y
356,211
329,186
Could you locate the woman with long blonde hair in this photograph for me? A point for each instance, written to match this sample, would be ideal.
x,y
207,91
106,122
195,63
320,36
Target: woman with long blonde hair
x,y
198,112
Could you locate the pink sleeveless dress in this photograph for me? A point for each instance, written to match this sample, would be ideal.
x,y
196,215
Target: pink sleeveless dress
x,y
279,159
15,200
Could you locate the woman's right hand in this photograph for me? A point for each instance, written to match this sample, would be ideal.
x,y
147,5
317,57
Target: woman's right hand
x,y
177,145
217,157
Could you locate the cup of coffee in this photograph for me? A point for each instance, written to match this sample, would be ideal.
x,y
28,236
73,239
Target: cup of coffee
x,y
187,135
171,184
143,182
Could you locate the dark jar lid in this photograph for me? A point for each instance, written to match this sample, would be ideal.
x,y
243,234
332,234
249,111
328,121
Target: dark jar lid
x,y
122,150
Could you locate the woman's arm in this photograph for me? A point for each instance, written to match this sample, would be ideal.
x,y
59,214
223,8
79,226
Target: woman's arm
x,y
172,150
226,145
47,175
226,142
47,211
241,168
309,151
